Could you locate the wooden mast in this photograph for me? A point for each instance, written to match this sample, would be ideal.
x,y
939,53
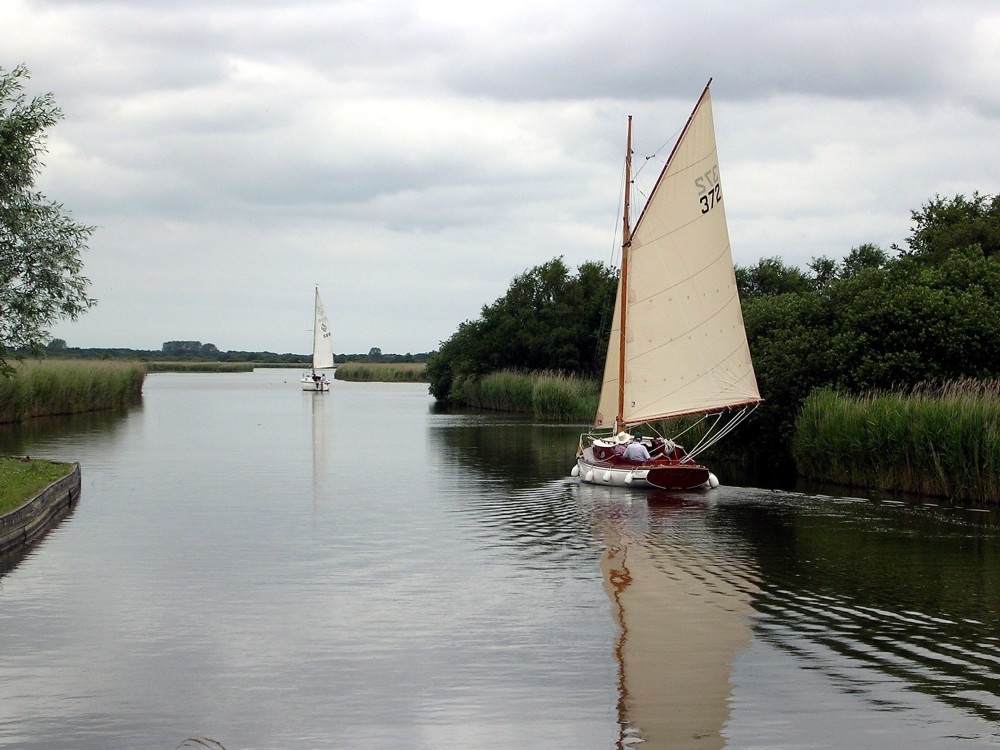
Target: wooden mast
x,y
626,246
315,321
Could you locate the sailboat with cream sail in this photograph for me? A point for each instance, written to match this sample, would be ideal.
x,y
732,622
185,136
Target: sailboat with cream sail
x,y
677,346
322,355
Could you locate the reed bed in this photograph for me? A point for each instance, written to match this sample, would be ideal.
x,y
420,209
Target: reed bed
x,y
382,372
545,395
941,441
46,388
194,366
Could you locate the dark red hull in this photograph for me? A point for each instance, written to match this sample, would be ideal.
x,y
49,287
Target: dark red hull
x,y
678,477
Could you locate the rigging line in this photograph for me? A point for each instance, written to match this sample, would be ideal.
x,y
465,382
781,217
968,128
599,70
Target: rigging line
x,y
669,143
656,154
616,245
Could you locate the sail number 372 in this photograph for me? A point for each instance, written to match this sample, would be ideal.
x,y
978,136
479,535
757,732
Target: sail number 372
x,y
709,189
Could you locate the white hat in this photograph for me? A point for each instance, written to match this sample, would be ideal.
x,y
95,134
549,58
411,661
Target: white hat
x,y
624,437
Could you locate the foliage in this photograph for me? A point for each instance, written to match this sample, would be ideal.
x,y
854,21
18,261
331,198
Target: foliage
x,y
873,322
543,394
549,320
200,366
44,388
382,372
189,348
40,246
943,226
932,441
771,277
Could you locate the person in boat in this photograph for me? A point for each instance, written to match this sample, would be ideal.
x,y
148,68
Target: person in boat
x,y
636,451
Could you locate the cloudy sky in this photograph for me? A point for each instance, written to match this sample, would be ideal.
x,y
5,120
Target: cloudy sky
x,y
412,157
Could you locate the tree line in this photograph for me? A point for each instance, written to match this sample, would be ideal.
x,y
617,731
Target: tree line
x,y
195,351
549,319
926,312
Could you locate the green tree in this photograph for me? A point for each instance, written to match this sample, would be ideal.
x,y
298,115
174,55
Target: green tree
x,y
182,348
873,322
943,226
910,322
771,277
549,319
864,257
40,245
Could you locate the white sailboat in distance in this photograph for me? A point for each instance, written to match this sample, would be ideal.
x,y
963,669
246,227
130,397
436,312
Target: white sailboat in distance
x,y
322,354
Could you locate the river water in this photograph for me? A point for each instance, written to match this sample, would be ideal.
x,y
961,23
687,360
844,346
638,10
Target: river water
x,y
278,569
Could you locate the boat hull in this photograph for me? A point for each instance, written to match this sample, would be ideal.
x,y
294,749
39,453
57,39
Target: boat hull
x,y
308,384
662,474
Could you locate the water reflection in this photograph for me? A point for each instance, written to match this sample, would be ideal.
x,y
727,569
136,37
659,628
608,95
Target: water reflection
x,y
682,605
54,438
857,589
318,419
13,557
679,596
43,432
514,452
885,601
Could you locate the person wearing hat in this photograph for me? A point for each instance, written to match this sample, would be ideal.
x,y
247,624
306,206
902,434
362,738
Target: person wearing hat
x,y
636,451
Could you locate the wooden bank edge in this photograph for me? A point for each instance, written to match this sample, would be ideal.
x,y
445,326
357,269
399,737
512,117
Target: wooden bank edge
x,y
22,526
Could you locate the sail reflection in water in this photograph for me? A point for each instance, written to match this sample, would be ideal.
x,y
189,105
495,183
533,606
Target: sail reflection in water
x,y
757,618
684,614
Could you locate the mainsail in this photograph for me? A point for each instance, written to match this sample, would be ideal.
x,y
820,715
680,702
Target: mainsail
x,y
322,341
685,348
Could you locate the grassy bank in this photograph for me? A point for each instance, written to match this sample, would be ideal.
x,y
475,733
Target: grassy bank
x,y
21,479
201,366
385,372
68,387
545,395
943,442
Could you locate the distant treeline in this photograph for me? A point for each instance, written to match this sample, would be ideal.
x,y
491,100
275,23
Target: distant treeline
x,y
195,351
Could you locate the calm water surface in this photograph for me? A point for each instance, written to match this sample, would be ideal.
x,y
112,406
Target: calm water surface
x,y
279,569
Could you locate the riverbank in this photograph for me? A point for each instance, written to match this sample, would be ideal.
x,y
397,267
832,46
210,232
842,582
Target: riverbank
x,y
382,372
33,494
196,366
544,395
933,442
47,388
941,442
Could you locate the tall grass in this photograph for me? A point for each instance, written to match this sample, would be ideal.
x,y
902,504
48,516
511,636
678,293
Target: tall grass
x,y
68,387
545,395
942,441
196,366
382,372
